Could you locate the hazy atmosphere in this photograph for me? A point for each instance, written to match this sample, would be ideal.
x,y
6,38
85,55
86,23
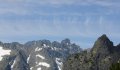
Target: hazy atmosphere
x,y
82,21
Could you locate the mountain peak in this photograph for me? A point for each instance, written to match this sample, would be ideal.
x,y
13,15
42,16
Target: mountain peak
x,y
102,56
66,41
103,44
103,38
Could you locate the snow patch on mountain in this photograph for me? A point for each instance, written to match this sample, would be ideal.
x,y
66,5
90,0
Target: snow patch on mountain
x,y
3,52
45,46
39,69
42,57
56,49
13,64
28,58
38,49
59,63
31,68
44,64
67,43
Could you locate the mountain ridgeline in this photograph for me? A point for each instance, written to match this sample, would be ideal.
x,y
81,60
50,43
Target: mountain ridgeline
x,y
64,55
103,56
36,55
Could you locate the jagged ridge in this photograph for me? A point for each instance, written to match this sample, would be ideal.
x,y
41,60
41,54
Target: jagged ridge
x,y
36,55
101,57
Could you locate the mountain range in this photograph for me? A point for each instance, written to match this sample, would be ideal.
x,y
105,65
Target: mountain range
x,y
36,55
64,55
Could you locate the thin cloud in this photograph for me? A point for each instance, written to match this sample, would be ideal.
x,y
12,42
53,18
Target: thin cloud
x,y
76,28
28,7
66,2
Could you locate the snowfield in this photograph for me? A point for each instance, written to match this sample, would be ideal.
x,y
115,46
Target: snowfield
x,y
13,64
28,58
3,52
59,63
38,49
39,69
44,64
40,56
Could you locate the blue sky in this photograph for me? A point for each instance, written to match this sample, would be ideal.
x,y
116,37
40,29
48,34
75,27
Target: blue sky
x,y
82,21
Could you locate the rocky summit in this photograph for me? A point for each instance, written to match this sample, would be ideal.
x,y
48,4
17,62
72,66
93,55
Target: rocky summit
x,y
36,55
103,56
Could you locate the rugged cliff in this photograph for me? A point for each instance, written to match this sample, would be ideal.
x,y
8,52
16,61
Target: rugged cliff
x,y
101,57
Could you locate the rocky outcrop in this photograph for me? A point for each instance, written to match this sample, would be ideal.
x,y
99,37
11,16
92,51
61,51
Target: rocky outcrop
x,y
101,57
